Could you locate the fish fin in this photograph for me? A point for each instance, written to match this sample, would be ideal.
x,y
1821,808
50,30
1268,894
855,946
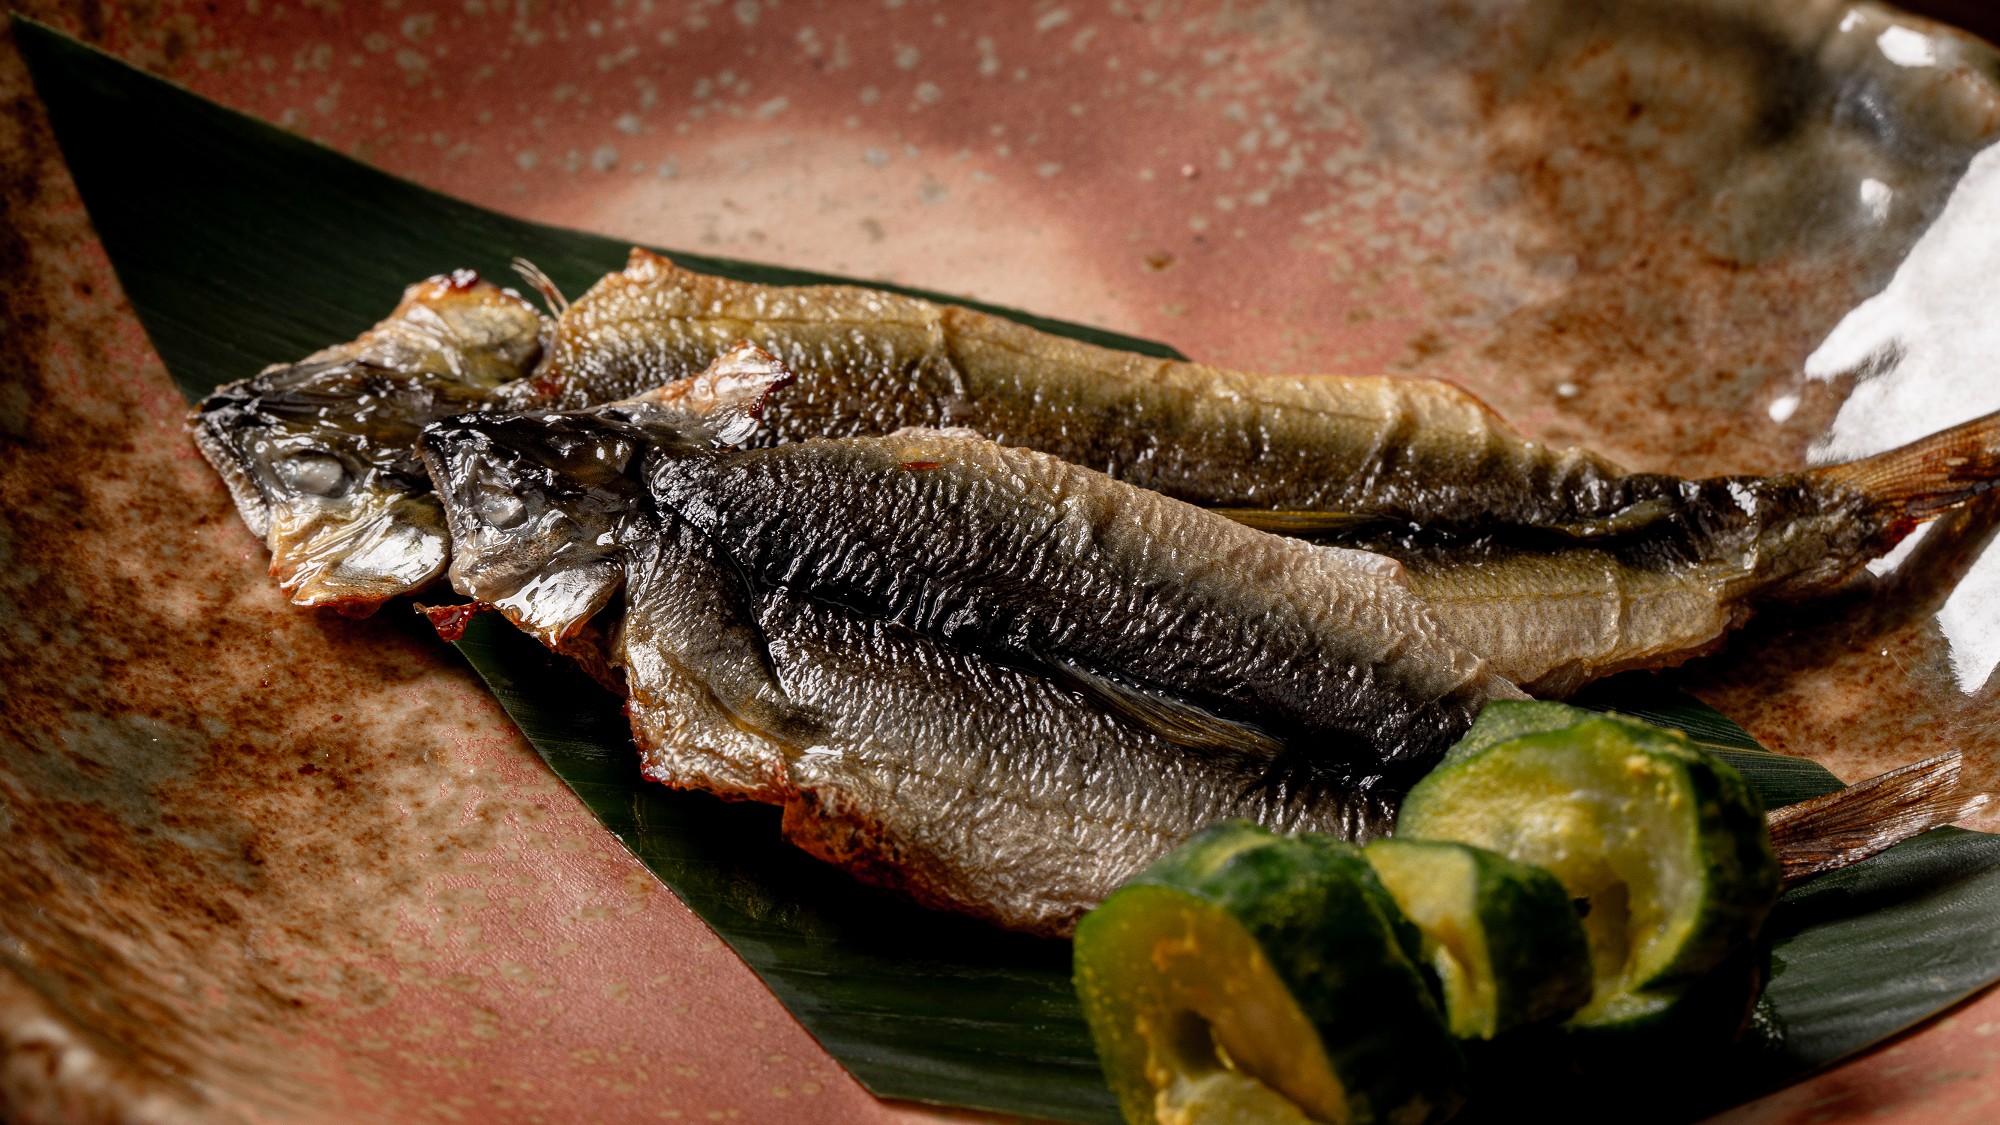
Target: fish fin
x,y
554,603
543,284
1869,817
1293,521
1636,517
1914,482
1182,724
729,396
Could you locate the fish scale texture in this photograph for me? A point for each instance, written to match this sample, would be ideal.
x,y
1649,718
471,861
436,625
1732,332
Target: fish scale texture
x,y
1014,552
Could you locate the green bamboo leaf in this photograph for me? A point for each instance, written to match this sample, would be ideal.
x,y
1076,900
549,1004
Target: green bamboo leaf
x,y
240,245
1778,778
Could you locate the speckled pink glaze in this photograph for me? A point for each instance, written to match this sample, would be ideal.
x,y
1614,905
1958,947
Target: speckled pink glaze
x,y
367,900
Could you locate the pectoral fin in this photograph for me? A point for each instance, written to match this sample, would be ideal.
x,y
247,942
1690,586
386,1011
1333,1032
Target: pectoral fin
x,y
1180,723
1289,521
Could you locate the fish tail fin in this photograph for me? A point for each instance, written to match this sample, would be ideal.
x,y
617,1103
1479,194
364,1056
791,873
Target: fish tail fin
x,y
1845,827
1916,482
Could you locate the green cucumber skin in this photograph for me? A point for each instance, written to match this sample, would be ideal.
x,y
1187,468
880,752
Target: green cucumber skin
x,y
1504,720
1534,942
1535,947
1737,852
1734,851
1336,938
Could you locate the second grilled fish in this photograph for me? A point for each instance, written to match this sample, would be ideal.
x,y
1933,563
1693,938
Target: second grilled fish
x,y
965,783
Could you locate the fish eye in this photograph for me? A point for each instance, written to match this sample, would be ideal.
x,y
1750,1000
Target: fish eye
x,y
500,508
320,474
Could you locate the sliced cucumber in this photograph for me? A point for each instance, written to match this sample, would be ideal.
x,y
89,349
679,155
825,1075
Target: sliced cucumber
x,y
1504,720
1503,937
1662,842
1253,977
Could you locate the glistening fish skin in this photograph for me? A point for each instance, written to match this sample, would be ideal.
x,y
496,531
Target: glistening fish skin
x,y
871,362
965,784
1042,564
1552,613
1555,564
321,455
541,505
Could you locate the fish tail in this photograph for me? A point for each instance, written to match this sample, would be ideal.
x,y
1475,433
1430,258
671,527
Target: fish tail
x,y
1845,827
1916,482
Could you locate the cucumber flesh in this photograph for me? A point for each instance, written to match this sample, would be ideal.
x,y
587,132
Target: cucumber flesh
x,y
1250,977
1502,937
1664,842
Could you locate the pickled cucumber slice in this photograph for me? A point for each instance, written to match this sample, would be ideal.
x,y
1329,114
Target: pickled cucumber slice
x,y
1503,937
1663,842
1253,977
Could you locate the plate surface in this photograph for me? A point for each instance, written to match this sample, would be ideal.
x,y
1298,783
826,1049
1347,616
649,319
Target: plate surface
x,y
282,866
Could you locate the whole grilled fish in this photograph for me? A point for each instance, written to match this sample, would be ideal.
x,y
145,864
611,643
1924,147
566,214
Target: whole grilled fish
x,y
871,362
915,764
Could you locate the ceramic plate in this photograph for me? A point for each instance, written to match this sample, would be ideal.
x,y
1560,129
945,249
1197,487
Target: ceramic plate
x,y
263,864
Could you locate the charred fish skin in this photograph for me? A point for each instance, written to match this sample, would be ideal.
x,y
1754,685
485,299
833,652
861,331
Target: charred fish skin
x,y
970,786
321,456
311,457
991,791
1062,570
965,785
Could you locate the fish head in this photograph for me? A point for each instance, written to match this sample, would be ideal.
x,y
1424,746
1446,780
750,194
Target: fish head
x,y
541,505
539,509
320,456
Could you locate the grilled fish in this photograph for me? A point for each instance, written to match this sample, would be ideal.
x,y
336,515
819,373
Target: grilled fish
x,y
1552,614
871,362
915,764
1209,633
